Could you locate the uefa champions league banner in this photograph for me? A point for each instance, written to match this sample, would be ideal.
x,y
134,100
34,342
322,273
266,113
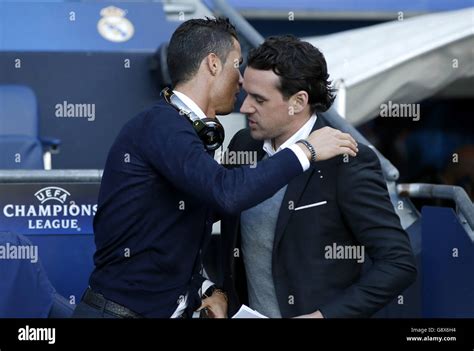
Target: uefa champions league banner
x,y
62,208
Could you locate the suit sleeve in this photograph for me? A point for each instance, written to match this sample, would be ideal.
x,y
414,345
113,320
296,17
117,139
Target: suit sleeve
x,y
367,210
172,147
217,215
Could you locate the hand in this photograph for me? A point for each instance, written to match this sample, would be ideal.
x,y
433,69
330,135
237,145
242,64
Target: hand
x,y
216,305
316,314
329,142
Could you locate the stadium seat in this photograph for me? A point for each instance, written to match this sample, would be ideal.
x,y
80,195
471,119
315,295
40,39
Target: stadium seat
x,y
25,290
21,146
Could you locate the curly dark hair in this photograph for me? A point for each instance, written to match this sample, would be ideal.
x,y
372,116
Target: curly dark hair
x,y
299,65
195,39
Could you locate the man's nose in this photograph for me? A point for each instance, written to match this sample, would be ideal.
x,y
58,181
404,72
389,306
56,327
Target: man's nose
x,y
246,108
241,79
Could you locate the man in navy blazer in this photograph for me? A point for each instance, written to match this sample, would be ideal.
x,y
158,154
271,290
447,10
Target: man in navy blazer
x,y
161,186
300,252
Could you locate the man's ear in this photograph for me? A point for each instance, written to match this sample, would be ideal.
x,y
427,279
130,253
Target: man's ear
x,y
213,64
298,101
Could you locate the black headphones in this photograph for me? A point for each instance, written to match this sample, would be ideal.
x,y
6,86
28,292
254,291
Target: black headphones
x,y
209,130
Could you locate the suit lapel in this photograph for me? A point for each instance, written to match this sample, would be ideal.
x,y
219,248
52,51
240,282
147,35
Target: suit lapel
x,y
293,193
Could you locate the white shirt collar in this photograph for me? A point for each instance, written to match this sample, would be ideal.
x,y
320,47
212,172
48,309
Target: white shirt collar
x,y
185,103
302,133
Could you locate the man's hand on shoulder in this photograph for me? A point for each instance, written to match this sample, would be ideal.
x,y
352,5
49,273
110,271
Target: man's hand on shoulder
x,y
329,142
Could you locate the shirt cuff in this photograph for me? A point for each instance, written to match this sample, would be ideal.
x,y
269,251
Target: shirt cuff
x,y
301,156
206,285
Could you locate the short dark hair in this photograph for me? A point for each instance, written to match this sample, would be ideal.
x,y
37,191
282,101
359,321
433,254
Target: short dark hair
x,y
299,65
193,40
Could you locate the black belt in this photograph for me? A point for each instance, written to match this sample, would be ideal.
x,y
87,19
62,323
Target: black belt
x,y
98,301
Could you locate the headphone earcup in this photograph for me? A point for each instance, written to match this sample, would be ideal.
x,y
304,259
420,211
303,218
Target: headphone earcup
x,y
212,135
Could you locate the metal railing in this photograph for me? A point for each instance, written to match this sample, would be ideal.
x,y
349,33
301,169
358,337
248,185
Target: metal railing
x,y
250,34
464,205
51,176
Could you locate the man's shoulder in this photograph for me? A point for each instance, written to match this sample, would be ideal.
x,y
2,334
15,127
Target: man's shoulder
x,y
364,165
366,154
162,108
242,135
157,115
345,164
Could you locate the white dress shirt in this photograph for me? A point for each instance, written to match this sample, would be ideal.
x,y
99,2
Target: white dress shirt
x,y
188,105
302,133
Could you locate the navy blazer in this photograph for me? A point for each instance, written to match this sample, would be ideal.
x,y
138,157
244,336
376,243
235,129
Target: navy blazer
x,y
351,207
154,215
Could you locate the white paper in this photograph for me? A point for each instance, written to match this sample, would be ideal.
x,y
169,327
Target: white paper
x,y
247,312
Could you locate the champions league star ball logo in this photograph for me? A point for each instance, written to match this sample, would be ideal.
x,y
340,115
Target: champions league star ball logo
x,y
54,211
113,25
